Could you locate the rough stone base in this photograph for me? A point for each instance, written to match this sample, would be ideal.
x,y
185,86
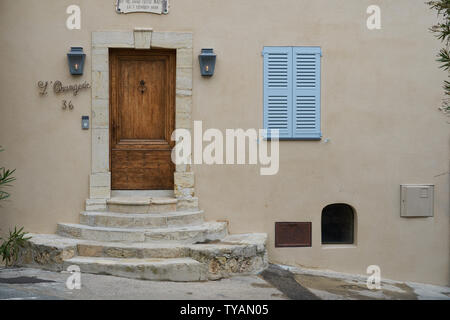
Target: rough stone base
x,y
44,256
235,254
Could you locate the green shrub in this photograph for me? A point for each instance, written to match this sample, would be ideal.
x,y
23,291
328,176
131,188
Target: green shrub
x,y
9,250
5,179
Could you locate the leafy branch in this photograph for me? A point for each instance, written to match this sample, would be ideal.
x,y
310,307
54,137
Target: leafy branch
x,y
442,32
5,179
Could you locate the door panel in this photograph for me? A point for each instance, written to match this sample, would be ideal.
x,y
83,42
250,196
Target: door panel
x,y
142,118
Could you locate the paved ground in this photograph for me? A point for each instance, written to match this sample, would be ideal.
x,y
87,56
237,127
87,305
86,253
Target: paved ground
x,y
277,282
328,285
18,284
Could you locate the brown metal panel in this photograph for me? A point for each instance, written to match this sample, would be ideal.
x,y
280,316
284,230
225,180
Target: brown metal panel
x,y
292,234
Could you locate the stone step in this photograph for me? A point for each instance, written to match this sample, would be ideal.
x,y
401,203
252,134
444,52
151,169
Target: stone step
x,y
207,231
135,205
235,254
151,220
247,246
177,269
143,193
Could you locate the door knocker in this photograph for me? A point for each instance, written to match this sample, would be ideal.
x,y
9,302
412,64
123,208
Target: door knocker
x,y
142,88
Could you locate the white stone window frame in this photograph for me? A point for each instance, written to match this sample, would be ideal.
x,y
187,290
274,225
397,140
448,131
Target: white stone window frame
x,y
139,38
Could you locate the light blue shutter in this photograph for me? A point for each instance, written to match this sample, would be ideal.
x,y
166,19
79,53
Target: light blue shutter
x,y
278,90
306,97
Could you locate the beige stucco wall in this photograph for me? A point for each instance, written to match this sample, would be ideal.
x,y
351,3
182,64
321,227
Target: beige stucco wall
x,y
380,93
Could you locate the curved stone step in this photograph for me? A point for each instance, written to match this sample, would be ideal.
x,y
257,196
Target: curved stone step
x,y
178,269
141,205
143,193
151,220
207,231
235,254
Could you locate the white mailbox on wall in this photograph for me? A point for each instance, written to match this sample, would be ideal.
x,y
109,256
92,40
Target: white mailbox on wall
x,y
416,200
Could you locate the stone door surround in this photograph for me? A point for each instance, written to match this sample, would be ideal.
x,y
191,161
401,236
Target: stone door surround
x,y
139,38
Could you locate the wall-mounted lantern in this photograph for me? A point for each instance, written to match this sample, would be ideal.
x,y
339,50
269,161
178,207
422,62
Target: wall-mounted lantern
x,y
207,61
76,59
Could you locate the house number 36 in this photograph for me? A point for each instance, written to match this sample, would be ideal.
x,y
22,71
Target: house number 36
x,y
67,105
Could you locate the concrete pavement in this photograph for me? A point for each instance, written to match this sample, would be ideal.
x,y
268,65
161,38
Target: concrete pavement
x,y
105,287
275,283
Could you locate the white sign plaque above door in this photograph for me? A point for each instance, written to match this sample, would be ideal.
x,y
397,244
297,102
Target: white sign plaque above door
x,y
149,6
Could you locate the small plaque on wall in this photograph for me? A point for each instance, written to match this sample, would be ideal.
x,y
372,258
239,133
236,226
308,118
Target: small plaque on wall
x,y
292,234
147,6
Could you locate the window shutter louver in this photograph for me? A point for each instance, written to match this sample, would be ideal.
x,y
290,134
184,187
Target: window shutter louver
x,y
278,90
306,93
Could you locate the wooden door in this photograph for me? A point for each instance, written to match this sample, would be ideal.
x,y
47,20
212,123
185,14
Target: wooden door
x,y
142,118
